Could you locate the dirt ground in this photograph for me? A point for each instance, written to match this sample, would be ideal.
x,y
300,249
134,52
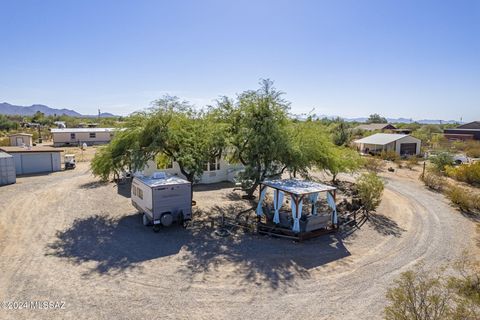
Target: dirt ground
x,y
66,237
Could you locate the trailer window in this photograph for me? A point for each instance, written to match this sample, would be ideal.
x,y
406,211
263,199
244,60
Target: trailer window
x,y
72,136
93,135
140,193
134,190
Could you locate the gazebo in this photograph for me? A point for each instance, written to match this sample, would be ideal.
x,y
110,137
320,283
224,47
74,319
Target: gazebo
x,y
298,190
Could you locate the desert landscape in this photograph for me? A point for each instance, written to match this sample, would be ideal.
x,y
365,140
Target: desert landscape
x,y
67,237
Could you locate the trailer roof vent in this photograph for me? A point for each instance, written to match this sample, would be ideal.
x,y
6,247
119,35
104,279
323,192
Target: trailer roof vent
x,y
159,175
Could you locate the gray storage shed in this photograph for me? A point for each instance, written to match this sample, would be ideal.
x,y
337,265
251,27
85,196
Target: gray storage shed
x,y
35,159
7,169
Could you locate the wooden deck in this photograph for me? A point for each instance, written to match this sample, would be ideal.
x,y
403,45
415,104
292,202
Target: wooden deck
x,y
276,231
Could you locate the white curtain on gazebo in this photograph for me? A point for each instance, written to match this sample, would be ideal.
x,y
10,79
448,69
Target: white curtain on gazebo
x,y
313,200
277,204
260,201
331,203
296,218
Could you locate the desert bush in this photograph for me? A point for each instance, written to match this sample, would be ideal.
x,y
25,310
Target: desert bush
x,y
389,155
422,294
469,173
370,189
473,150
441,160
4,142
433,180
463,198
373,164
411,162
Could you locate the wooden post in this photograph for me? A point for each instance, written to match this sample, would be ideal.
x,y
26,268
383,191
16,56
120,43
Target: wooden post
x,y
423,172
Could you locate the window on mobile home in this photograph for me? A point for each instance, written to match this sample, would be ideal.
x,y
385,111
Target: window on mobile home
x,y
93,135
140,193
212,165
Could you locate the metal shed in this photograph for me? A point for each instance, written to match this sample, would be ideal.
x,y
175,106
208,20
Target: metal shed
x,y
7,169
402,144
35,159
21,139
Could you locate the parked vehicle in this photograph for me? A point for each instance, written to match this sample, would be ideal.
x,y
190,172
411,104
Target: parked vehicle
x,y
69,160
162,200
460,159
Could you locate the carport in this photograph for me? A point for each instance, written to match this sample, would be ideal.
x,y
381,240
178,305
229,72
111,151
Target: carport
x,y
30,160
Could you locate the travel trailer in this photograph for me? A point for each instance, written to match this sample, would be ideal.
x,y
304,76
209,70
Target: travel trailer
x,y
162,200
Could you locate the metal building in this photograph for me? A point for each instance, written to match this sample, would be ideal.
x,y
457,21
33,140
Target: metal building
x,y
7,169
31,160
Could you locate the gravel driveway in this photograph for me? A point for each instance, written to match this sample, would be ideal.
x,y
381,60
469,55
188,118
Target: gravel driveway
x,y
65,237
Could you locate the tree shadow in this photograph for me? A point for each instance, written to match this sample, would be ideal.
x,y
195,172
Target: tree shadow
x,y
93,185
213,186
384,225
115,245
262,260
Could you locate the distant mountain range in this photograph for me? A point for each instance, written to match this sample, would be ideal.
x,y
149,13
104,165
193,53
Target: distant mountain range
x,y
390,120
10,109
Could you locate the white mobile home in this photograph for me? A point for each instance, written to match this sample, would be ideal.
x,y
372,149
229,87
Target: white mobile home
x,y
216,170
162,200
402,144
78,136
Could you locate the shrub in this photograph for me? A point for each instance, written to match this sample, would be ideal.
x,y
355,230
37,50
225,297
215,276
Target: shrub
x,y
4,142
370,189
374,164
441,160
411,162
472,149
433,181
469,173
422,294
389,155
462,198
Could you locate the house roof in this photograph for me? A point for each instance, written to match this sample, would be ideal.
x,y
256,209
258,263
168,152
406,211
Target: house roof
x,y
20,134
373,126
297,187
29,149
471,125
78,130
382,138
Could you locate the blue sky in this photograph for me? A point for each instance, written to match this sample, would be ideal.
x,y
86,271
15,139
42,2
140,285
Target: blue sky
x,y
414,59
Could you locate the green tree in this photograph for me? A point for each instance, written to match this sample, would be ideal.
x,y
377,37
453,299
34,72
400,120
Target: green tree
x,y
431,294
258,129
6,124
171,128
126,151
370,189
376,118
441,161
341,133
343,160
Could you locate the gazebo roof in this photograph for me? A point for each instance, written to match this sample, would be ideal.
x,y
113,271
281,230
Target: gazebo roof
x,y
297,187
